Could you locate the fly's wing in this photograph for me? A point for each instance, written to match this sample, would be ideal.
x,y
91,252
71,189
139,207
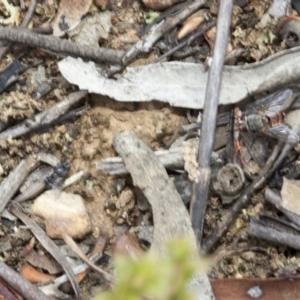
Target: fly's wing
x,y
278,101
283,133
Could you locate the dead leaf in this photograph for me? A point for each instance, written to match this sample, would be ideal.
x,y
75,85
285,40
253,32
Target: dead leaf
x,y
34,276
160,4
92,29
126,245
69,15
210,37
28,247
192,23
43,262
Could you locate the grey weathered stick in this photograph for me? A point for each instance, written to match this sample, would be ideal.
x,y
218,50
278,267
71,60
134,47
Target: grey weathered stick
x,y
36,184
170,216
182,84
171,158
201,186
48,244
276,200
44,118
286,149
29,14
259,230
242,201
20,284
11,184
27,37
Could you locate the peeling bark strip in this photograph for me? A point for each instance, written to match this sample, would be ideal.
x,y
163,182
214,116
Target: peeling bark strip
x,y
27,37
171,219
182,84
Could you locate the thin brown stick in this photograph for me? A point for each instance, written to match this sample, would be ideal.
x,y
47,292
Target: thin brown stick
x,y
20,284
24,24
30,38
71,243
242,201
201,186
98,250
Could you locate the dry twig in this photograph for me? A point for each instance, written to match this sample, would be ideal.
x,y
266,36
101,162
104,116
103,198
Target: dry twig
x,y
260,230
48,244
27,37
276,200
186,42
155,33
11,184
46,117
201,186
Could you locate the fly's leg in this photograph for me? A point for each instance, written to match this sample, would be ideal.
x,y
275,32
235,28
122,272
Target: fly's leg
x,y
238,156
